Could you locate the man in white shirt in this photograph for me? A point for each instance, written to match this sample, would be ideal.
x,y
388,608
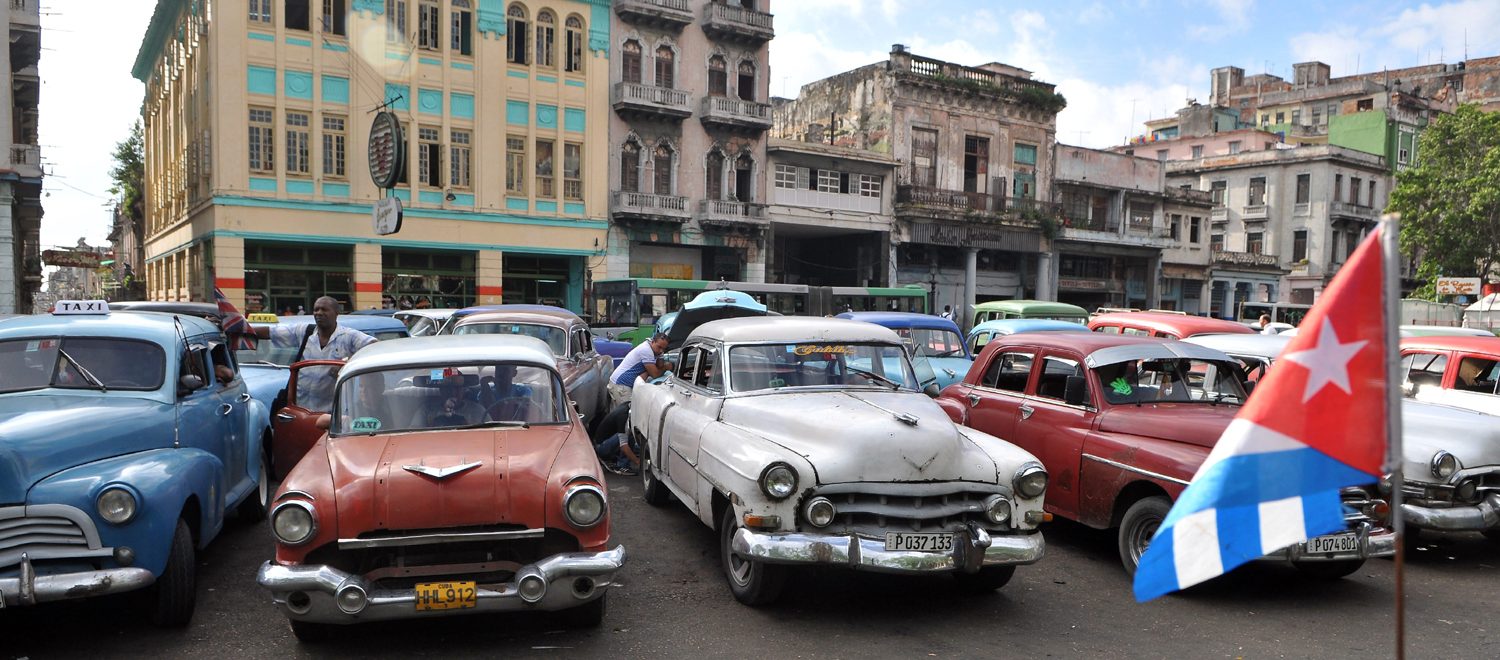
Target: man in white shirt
x,y
640,360
328,341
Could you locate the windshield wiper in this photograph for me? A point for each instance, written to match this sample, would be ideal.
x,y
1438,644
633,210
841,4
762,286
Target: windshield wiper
x,y
875,376
494,422
86,373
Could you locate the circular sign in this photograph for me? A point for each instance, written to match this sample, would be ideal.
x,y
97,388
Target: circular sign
x,y
387,150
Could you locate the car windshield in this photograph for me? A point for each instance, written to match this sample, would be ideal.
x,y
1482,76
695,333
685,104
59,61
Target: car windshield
x,y
1172,380
448,396
933,342
555,337
817,364
80,363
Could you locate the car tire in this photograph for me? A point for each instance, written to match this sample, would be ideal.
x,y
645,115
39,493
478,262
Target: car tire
x,y
751,582
1329,570
308,632
988,579
1137,527
254,507
652,489
587,615
175,593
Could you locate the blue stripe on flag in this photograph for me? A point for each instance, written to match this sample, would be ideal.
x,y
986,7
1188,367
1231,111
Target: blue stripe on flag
x,y
1249,479
1323,513
1239,532
1157,573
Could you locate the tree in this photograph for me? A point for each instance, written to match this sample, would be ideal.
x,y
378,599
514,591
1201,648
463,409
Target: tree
x,y
1450,201
129,175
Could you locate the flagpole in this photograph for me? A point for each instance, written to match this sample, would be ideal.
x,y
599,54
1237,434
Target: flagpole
x,y
1391,257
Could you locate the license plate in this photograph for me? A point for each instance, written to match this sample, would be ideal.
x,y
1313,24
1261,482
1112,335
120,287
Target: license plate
x,y
1330,544
924,542
445,595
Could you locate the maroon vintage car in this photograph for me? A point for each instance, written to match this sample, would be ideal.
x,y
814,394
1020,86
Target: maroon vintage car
x,y
1122,423
585,371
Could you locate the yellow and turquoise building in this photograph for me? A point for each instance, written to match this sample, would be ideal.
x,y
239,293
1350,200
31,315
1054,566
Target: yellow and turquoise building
x,y
257,117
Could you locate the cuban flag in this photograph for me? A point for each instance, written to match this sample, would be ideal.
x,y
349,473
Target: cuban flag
x,y
236,328
1314,424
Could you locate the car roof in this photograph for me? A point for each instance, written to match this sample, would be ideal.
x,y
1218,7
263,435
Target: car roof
x,y
450,349
360,322
168,306
1179,324
1016,326
553,319
440,313
511,307
1160,350
1443,331
1083,342
374,312
1490,345
902,320
1032,307
1259,345
131,325
793,329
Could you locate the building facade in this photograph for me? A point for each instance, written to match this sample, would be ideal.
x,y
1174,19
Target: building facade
x,y
1185,273
21,162
256,135
687,162
830,215
1108,252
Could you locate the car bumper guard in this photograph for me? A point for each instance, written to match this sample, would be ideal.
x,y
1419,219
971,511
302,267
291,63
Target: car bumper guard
x,y
1373,542
975,548
1475,517
28,588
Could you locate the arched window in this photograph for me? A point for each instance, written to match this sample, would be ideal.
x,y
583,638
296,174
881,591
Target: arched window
x,y
630,62
747,80
718,77
546,40
744,171
516,29
664,66
713,167
574,44
663,169
630,166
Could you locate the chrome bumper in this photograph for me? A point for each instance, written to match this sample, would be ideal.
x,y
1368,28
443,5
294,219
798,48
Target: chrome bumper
x,y
308,592
1373,542
973,549
28,588
1476,517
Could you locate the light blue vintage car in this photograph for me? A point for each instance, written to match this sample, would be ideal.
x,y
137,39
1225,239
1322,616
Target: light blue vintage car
x,y
126,439
933,339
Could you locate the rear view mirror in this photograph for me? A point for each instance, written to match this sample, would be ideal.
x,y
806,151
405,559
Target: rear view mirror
x,y
1076,391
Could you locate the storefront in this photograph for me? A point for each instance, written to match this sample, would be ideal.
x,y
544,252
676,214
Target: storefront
x,y
939,255
416,279
285,278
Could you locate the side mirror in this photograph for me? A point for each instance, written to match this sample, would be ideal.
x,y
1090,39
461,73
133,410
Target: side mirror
x,y
1076,391
324,421
931,390
189,382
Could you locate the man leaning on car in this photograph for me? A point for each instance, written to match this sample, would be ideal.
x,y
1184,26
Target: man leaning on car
x,y
640,360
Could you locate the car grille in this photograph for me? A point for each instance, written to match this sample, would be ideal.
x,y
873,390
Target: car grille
x,y
874,509
50,532
1362,505
446,560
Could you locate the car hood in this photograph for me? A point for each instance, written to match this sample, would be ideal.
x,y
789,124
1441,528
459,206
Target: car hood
x,y
43,434
866,442
1473,438
376,490
1193,423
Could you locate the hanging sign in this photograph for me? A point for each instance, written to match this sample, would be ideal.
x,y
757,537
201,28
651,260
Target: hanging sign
x,y
387,150
387,214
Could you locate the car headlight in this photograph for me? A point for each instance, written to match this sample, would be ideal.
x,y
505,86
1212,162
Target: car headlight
x,y
294,522
997,509
1467,491
778,481
1444,465
820,512
116,505
584,505
1030,481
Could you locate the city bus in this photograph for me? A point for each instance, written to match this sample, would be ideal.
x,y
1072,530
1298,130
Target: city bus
x,y
627,308
1291,313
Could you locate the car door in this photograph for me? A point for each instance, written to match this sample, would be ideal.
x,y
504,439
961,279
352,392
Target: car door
x,y
295,427
233,409
200,420
693,407
994,404
1055,431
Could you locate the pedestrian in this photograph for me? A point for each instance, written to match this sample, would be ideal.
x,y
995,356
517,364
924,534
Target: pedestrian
x,y
947,312
640,360
1265,325
324,339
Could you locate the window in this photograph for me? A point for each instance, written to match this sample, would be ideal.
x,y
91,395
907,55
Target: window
x,y
574,63
976,163
219,353
1234,146
707,377
828,181
1352,244
459,151
630,167
713,172
262,139
1254,242
544,169
461,28
1024,186
1334,253
1296,117
924,157
573,171
1257,191
1025,154
1364,104
405,176
1197,151
786,176
1304,188
515,31
630,62
1281,117
1195,229
1424,368
718,77
429,157
746,84
1477,374
870,184
333,146
295,15
297,143
663,167
1216,242
1333,109
1338,187
335,20
395,21
260,11
744,171
1354,190
1370,200
1217,191
1299,245
546,40
1009,372
428,35
1162,154
1052,382
1174,227
664,66
515,165
1317,116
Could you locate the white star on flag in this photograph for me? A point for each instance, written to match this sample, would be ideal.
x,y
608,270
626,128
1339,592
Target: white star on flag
x,y
1327,362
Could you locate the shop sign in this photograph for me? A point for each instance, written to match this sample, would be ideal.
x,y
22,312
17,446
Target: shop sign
x,y
1082,284
990,238
1458,286
71,258
387,215
387,150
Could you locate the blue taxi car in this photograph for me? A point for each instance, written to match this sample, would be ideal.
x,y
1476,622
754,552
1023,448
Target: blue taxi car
x,y
931,337
126,439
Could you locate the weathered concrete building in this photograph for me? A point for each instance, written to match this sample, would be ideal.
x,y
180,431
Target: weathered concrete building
x,y
1185,273
21,164
830,215
973,148
688,173
1108,250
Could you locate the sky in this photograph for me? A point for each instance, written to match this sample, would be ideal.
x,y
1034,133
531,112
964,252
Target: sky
x,y
1117,63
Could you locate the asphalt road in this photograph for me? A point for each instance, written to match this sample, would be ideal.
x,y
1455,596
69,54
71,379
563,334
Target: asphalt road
x,y
673,602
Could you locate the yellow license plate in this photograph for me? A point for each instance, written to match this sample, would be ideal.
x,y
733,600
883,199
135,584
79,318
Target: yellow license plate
x,y
445,595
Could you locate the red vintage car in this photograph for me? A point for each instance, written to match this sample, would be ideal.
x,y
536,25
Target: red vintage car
x,y
1454,371
454,477
1121,424
1164,324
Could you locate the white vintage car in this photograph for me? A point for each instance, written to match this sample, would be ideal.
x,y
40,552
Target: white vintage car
x,y
1452,469
801,441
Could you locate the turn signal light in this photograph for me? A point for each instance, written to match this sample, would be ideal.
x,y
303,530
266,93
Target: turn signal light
x,y
764,522
1038,517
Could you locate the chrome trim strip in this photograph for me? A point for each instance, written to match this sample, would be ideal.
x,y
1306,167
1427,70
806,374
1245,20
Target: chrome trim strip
x,y
439,537
296,493
1122,466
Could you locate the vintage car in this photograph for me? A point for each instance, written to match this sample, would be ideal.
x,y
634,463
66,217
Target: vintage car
x,y
1029,309
791,438
982,333
585,372
1256,353
931,338
126,440
1122,424
423,322
616,350
1164,324
397,513
1456,371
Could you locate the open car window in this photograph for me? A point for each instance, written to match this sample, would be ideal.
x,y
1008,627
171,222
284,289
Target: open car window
x,y
817,364
1172,380
448,396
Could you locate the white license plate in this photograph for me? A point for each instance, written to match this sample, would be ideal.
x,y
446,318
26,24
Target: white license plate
x,y
924,542
1330,544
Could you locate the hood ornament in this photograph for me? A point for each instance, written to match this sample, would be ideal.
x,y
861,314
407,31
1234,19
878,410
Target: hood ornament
x,y
442,473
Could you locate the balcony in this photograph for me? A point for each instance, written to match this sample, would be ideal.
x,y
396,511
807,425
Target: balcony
x,y
1218,215
731,214
650,101
735,114
951,200
1253,212
1348,210
649,207
729,23
669,14
1226,258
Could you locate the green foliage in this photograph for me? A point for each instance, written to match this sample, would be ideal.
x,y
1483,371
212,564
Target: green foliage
x,y
129,176
1035,98
1450,201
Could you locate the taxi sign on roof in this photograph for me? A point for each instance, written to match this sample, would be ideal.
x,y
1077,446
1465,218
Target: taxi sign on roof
x,y
262,317
64,307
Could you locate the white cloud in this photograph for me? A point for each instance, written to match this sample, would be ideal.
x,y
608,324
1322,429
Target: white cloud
x,y
1428,32
1342,49
1233,18
1094,13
